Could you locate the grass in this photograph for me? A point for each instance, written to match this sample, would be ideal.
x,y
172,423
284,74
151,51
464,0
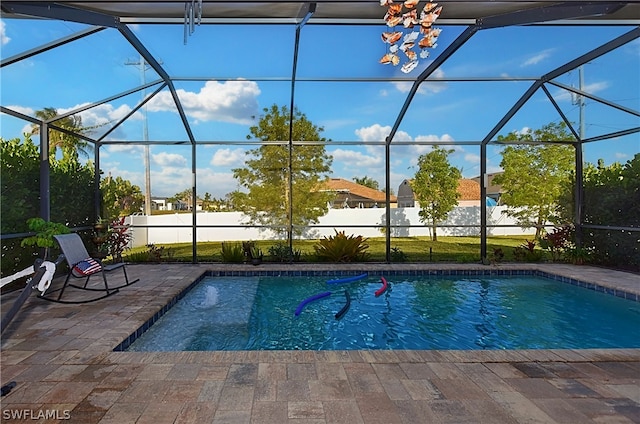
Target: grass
x,y
416,249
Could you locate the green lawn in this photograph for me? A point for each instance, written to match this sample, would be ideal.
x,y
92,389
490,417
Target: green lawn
x,y
416,249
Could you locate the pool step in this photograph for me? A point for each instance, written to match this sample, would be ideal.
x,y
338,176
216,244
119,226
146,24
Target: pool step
x,y
234,302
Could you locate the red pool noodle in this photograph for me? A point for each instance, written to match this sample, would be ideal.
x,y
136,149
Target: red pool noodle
x,y
383,288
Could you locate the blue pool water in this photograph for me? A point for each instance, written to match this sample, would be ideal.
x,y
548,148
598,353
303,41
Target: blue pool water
x,y
258,313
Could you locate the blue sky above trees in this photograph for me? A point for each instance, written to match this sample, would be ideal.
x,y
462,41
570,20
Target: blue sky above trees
x,y
247,70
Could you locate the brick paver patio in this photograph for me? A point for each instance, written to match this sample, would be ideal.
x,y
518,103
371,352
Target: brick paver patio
x,y
62,359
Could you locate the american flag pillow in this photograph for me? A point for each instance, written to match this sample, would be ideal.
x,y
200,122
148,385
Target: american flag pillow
x,y
86,267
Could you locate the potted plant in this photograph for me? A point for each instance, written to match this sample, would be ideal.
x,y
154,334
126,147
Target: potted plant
x,y
256,255
101,225
44,232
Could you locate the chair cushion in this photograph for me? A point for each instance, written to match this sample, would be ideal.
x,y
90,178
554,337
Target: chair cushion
x,y
86,267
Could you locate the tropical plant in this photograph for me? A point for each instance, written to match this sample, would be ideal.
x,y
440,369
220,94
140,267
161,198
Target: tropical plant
x,y
158,253
232,252
577,255
535,175
367,182
527,252
435,187
44,232
118,239
557,241
282,180
256,252
70,145
342,248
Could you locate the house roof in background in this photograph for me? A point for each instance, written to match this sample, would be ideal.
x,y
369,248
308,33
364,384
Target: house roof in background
x,y
340,185
468,189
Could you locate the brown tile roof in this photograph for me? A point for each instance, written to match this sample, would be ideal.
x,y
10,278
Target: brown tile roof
x,y
345,186
468,189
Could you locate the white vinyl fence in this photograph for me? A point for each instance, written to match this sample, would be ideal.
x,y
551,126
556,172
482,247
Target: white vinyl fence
x,y
465,221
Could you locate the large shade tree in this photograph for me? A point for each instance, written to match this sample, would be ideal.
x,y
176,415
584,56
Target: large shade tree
x,y
435,187
535,174
281,180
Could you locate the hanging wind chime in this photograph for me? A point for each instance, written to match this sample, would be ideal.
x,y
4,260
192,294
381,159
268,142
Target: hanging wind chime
x,y
405,14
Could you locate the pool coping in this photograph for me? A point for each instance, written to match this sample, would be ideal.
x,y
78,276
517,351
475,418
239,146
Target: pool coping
x,y
380,270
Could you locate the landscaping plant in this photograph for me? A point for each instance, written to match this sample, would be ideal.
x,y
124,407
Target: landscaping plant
x,y
342,248
232,252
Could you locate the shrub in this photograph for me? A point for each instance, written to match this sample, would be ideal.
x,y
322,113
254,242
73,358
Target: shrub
x,y
527,252
281,252
342,248
44,232
557,241
397,255
232,252
118,239
497,255
152,254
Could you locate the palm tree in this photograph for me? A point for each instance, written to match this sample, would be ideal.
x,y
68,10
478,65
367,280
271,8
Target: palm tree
x,y
71,146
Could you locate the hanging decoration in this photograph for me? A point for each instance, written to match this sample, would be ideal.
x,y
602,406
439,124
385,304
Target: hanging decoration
x,y
405,15
192,16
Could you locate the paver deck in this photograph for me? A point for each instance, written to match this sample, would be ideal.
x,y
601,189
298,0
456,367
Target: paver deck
x,y
62,359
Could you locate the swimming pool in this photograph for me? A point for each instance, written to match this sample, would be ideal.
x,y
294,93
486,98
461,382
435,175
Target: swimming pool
x,y
415,312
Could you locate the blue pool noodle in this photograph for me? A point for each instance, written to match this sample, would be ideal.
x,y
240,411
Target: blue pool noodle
x,y
348,279
310,299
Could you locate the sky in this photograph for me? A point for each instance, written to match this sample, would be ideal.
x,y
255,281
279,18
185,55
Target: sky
x,y
226,75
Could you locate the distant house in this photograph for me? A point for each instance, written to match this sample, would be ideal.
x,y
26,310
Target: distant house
x,y
161,204
468,189
349,194
494,191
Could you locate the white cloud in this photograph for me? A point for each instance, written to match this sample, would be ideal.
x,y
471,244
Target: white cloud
x,y
103,117
123,148
620,155
3,34
169,159
218,184
432,137
537,58
21,109
169,180
358,159
593,88
472,158
377,132
228,157
230,101
426,87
